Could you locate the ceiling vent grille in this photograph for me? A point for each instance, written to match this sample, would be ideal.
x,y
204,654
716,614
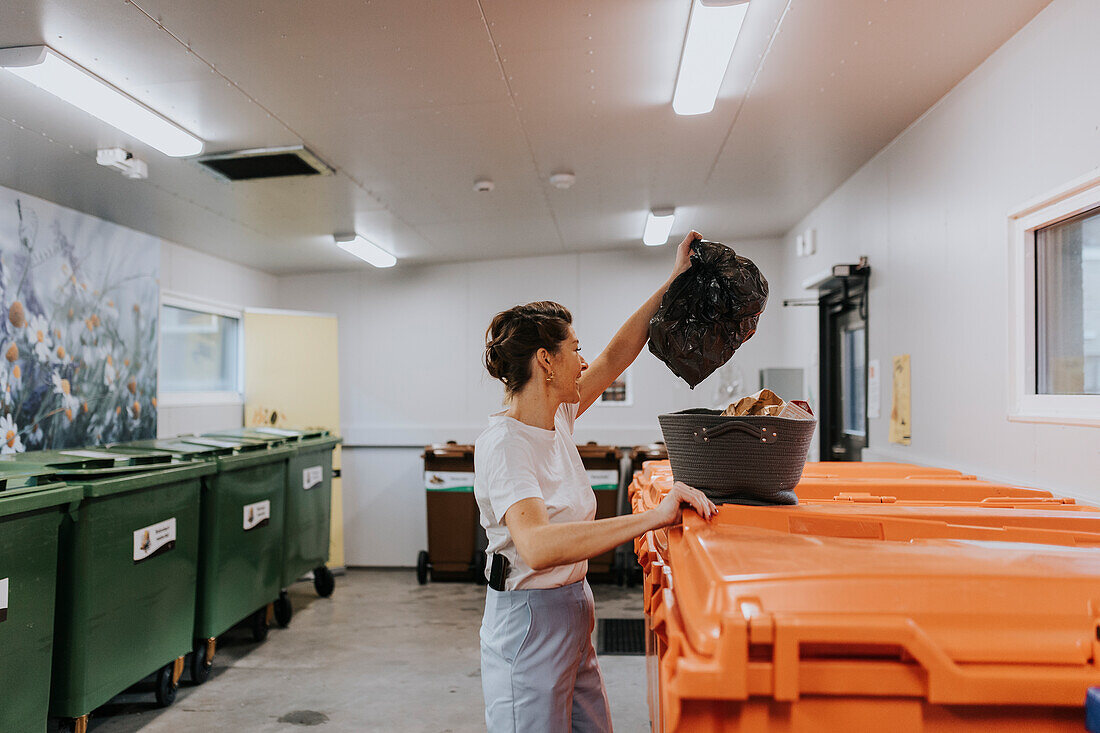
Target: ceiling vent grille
x,y
249,165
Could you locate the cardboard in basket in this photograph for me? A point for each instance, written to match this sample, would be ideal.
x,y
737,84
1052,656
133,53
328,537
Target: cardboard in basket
x,y
766,402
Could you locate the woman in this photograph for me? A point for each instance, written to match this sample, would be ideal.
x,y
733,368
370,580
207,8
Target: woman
x,y
539,670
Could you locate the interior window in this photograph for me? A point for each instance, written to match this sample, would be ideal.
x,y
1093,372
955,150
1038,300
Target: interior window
x,y
1067,286
199,352
853,376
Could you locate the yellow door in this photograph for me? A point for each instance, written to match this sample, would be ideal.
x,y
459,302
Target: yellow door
x,y
292,380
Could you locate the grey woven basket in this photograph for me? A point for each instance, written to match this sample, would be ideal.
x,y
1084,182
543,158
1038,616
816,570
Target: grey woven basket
x,y
738,460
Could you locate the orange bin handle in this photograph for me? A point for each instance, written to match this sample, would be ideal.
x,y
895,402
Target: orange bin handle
x,y
948,682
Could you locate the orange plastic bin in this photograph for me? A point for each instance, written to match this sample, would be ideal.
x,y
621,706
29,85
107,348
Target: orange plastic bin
x,y
908,615
765,630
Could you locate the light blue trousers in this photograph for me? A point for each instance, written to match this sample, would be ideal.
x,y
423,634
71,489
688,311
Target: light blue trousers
x,y
538,667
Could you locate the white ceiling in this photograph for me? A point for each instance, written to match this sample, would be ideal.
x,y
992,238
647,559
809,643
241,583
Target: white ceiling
x,y
412,100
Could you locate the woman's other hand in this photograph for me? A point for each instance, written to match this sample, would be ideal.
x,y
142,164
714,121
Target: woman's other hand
x,y
669,510
683,253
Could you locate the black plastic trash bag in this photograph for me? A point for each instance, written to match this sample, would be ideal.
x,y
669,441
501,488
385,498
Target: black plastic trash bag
x,y
708,312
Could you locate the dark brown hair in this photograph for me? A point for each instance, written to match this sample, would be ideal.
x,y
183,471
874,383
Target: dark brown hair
x,y
516,334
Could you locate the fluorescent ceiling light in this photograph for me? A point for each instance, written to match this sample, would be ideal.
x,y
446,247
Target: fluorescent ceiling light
x,y
658,225
365,249
712,34
53,73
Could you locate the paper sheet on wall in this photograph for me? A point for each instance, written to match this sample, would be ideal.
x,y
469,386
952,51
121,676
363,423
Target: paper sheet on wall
x,y
874,390
899,414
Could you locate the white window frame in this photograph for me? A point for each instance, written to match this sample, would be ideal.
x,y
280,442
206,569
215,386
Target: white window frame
x,y
220,397
1025,405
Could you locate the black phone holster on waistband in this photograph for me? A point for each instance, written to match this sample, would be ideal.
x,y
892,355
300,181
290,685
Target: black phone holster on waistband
x,y
498,572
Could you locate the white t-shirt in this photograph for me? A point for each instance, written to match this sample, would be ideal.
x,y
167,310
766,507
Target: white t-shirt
x,y
515,461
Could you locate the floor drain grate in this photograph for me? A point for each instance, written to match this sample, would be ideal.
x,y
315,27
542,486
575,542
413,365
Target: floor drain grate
x,y
625,636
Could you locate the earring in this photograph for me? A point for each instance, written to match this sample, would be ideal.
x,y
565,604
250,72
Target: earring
x,y
550,377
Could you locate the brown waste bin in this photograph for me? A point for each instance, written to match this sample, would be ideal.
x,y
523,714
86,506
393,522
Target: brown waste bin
x,y
630,572
456,539
602,462
643,453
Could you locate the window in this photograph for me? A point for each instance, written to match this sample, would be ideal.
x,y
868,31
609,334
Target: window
x,y
1055,298
200,352
1067,271
853,371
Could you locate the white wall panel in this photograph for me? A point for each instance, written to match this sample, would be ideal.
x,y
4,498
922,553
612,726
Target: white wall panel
x,y
190,272
931,211
384,506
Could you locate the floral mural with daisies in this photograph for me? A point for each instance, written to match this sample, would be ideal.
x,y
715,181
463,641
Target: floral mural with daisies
x,y
78,337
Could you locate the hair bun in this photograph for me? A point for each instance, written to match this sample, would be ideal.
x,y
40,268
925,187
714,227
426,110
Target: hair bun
x,y
515,335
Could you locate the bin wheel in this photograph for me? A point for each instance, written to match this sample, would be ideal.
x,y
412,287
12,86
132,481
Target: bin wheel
x,y
202,660
259,625
324,582
167,685
283,610
423,565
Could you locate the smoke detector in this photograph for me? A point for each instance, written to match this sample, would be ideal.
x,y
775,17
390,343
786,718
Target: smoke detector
x,y
483,184
122,161
562,180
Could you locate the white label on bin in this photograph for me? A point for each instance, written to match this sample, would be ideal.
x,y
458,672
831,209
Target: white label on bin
x,y
603,479
3,599
156,539
312,476
257,515
92,454
449,480
278,431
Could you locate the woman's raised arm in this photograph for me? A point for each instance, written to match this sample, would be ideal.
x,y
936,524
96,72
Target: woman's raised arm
x,y
631,337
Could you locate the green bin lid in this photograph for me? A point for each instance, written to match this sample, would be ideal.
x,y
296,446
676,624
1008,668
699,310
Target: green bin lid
x,y
15,476
94,463
43,496
236,445
98,482
273,434
174,446
252,436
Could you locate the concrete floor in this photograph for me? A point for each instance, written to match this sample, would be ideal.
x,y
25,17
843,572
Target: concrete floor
x,y
383,654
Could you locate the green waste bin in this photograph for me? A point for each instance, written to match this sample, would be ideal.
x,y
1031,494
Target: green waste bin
x,y
240,556
32,506
243,516
128,561
308,506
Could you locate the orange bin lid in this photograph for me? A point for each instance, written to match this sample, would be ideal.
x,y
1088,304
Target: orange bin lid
x,y
946,489
990,602
873,469
922,489
953,621
1040,523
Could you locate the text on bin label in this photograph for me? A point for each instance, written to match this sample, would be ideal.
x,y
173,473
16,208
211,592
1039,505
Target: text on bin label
x,y
156,539
257,515
312,476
